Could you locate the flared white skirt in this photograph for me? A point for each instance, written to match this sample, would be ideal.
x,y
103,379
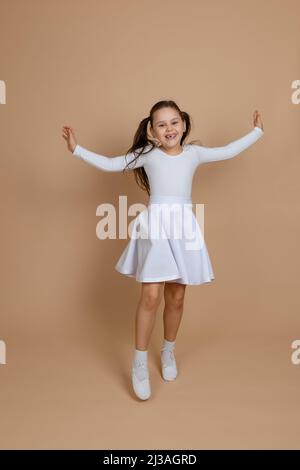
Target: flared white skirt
x,y
166,244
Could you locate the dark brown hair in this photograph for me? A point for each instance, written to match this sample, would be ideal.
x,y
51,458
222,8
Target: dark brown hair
x,y
141,141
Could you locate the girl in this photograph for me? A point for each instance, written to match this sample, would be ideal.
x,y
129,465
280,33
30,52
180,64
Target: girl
x,y
164,166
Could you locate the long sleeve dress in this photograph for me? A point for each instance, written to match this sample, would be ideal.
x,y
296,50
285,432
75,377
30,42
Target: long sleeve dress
x,y
153,253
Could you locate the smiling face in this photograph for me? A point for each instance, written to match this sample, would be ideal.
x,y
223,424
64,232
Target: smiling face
x,y
168,128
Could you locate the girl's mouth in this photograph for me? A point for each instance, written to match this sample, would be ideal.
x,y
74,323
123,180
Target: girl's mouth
x,y
170,137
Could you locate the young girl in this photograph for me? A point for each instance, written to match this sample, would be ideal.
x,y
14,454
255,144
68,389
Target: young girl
x,y
164,166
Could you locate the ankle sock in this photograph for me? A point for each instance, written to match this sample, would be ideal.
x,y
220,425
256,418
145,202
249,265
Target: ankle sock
x,y
140,364
140,355
168,345
166,352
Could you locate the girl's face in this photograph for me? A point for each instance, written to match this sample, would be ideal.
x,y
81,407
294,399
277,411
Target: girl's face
x,y
168,128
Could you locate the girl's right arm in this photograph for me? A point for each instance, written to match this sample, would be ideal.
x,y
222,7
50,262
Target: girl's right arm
x,y
100,161
107,163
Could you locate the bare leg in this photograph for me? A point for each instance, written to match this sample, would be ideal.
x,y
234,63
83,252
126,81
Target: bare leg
x,y
174,302
150,299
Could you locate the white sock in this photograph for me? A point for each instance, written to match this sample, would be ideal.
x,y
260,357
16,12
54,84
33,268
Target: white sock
x,y
168,345
140,357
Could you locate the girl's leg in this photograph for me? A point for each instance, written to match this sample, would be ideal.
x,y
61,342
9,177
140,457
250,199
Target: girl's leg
x,y
150,299
145,317
174,301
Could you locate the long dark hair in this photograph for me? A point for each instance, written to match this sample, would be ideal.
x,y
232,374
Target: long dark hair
x,y
141,141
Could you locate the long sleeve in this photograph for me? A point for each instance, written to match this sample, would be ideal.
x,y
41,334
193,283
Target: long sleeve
x,y
108,163
213,154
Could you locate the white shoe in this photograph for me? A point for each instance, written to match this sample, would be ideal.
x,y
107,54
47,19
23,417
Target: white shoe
x,y
168,364
140,379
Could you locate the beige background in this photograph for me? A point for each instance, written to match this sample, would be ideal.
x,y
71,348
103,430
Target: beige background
x,y
67,316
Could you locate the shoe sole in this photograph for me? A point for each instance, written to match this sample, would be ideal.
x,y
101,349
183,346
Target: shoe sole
x,y
169,379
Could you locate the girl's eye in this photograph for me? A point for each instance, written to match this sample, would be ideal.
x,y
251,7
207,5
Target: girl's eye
x,y
173,123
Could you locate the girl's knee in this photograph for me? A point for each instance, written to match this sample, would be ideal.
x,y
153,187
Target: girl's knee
x,y
151,295
174,296
175,303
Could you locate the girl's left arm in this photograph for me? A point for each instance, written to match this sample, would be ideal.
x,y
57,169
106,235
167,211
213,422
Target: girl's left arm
x,y
213,154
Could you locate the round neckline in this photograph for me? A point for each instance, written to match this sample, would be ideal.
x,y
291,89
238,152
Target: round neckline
x,y
173,156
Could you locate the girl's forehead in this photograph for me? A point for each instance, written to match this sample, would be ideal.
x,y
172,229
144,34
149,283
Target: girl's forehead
x,y
165,116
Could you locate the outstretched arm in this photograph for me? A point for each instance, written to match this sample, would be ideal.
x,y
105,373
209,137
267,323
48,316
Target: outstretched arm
x,y
100,161
108,163
213,154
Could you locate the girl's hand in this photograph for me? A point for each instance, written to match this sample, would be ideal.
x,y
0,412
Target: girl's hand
x,y
69,135
257,120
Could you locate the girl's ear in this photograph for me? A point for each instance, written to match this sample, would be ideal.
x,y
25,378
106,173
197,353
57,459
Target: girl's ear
x,y
149,130
151,138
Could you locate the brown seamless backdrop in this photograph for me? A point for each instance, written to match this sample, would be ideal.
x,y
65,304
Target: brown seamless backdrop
x,y
67,316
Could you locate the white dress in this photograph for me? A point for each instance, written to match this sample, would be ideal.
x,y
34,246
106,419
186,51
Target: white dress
x,y
166,243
